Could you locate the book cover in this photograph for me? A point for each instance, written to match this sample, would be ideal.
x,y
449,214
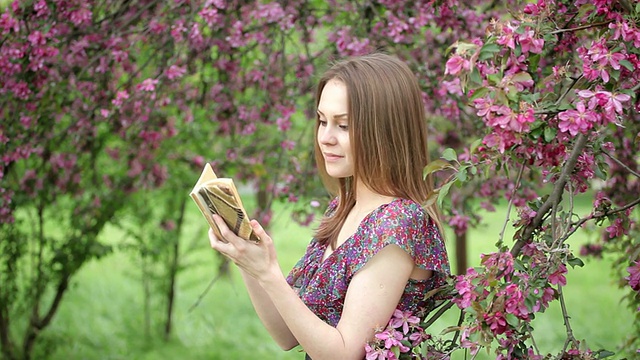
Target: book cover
x,y
214,195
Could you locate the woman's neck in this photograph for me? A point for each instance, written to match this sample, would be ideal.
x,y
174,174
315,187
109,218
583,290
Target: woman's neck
x,y
367,199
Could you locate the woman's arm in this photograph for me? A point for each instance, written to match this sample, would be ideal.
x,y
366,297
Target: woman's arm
x,y
371,298
267,312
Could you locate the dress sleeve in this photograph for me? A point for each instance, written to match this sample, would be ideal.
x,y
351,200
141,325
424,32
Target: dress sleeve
x,y
406,224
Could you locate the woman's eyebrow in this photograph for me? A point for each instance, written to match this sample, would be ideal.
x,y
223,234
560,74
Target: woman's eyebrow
x,y
337,116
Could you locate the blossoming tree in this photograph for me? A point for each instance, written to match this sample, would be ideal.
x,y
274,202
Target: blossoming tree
x,y
555,87
105,99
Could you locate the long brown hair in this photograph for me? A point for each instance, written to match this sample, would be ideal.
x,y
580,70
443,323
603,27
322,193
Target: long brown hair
x,y
388,133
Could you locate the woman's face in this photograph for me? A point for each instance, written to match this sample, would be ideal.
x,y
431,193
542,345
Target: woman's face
x,y
333,130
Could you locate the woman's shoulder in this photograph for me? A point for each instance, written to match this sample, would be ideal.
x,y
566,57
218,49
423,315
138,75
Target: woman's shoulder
x,y
402,209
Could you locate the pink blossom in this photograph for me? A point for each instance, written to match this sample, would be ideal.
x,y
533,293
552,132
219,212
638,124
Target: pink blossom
x,y
612,101
288,145
576,121
403,319
500,262
21,90
120,97
514,302
178,30
557,277
374,354
391,338
8,23
157,27
36,39
634,276
211,16
507,37
25,121
484,106
248,129
459,223
500,140
497,322
529,43
81,17
175,71
511,120
283,123
466,289
456,64
148,85
41,8
120,56
270,13
616,229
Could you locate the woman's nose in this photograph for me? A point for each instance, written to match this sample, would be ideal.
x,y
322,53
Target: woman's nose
x,y
326,135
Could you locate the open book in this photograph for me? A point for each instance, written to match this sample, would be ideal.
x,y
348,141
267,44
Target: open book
x,y
215,195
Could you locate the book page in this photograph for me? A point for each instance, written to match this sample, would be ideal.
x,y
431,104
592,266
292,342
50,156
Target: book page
x,y
219,196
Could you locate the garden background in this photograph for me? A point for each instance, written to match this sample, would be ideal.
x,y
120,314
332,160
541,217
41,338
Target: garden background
x,y
110,109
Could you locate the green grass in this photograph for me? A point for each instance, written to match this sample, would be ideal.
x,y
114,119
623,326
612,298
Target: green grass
x,y
102,314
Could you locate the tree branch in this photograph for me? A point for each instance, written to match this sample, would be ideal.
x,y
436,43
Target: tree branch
x,y
559,31
598,215
513,194
621,164
555,196
439,313
565,317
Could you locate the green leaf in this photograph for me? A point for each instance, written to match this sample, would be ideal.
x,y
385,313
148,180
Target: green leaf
x,y
521,76
550,134
475,77
449,329
574,261
396,351
450,155
600,172
434,166
534,60
603,354
479,93
474,146
627,64
494,79
443,192
488,50
462,174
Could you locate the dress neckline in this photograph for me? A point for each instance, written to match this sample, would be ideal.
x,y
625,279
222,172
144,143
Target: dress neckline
x,y
364,220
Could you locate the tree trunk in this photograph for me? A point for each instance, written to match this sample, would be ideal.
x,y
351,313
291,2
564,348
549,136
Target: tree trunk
x,y
173,270
36,323
5,340
461,253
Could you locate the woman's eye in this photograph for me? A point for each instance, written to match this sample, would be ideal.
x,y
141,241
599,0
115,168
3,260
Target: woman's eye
x,y
344,127
322,123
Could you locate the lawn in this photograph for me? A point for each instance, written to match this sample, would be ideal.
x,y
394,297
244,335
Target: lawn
x,y
102,315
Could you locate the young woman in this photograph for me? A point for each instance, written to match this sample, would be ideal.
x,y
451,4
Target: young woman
x,y
379,246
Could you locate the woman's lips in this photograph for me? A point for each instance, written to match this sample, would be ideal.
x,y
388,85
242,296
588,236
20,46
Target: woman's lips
x,y
332,157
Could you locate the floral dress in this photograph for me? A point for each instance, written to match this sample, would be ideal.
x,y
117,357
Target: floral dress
x,y
322,285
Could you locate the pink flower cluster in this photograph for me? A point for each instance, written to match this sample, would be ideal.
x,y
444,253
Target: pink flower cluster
x,y
402,334
502,299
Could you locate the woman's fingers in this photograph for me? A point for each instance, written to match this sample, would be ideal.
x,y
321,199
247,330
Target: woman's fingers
x,y
259,231
217,243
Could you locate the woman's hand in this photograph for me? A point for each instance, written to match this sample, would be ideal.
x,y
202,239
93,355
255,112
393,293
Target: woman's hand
x,y
258,259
